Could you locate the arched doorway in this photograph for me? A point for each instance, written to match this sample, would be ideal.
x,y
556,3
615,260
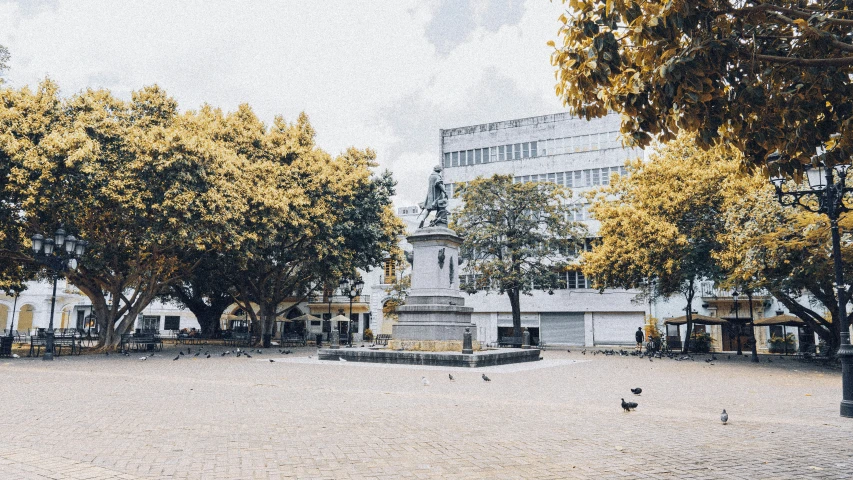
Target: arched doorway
x,y
25,319
4,318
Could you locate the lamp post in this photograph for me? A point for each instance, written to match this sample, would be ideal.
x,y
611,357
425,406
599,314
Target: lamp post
x,y
59,254
829,194
352,289
752,342
735,296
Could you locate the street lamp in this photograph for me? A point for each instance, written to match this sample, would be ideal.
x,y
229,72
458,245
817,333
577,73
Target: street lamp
x,y
351,289
829,194
59,254
735,296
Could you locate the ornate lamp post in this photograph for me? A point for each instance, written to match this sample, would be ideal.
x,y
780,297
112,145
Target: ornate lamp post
x,y
829,195
59,254
351,289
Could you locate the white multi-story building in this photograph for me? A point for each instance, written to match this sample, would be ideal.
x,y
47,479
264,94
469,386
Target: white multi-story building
x,y
558,148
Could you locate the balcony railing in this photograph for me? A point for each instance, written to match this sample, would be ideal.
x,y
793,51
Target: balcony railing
x,y
709,290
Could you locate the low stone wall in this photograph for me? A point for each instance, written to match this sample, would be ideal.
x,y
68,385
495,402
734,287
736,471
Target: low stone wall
x,y
430,345
444,359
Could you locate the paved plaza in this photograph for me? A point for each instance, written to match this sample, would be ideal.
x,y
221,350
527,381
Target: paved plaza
x,y
93,417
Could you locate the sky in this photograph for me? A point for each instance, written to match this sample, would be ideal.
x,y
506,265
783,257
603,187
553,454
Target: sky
x,y
383,74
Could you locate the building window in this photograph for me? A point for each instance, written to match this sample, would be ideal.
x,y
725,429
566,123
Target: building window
x,y
576,280
552,177
494,153
485,155
525,150
390,270
446,159
172,322
532,149
455,160
596,176
501,156
559,178
517,153
579,179
470,160
478,156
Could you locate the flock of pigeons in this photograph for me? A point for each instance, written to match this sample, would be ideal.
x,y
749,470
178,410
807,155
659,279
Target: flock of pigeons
x,y
627,406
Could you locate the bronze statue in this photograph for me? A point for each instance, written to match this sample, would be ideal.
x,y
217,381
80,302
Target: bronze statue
x,y
436,199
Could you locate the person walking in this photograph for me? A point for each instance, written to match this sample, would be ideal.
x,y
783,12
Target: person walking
x,y
639,337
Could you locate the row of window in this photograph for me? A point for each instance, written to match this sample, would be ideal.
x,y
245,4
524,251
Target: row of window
x,y
572,280
540,148
591,177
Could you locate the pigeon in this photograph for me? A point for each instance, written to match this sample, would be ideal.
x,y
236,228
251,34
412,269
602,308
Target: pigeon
x,y
450,376
181,353
339,358
143,358
177,357
223,354
568,351
583,352
272,361
189,350
208,355
708,360
197,354
248,356
486,378
425,381
724,417
628,406
259,351
637,391
15,355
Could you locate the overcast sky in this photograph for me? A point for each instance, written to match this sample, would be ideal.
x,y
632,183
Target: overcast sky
x,y
385,74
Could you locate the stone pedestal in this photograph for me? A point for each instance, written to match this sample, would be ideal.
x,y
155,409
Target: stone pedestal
x,y
434,317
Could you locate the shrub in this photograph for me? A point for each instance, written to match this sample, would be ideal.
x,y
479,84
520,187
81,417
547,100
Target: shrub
x,y
368,335
700,342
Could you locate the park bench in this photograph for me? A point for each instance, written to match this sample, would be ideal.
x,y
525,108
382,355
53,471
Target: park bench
x,y
238,338
60,340
137,341
188,339
382,339
292,339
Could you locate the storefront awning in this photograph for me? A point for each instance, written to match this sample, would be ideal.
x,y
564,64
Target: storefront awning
x,y
784,319
700,319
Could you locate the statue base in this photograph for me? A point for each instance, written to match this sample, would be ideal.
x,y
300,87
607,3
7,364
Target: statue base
x,y
434,316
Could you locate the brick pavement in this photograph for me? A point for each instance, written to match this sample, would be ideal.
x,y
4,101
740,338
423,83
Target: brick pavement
x,y
227,418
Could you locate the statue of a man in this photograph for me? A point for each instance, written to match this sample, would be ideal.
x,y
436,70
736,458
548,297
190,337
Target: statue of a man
x,y
436,199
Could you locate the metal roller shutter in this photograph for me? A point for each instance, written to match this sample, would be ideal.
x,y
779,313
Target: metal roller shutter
x,y
562,327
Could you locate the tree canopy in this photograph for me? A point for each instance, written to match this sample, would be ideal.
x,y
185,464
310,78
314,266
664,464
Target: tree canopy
x,y
788,252
659,225
516,237
771,76
159,194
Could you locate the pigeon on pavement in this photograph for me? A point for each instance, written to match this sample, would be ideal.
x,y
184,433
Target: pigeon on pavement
x,y
143,358
425,381
637,391
486,378
450,376
724,417
177,357
181,353
272,361
628,406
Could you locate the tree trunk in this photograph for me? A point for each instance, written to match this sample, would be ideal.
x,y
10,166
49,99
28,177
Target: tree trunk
x,y
513,294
